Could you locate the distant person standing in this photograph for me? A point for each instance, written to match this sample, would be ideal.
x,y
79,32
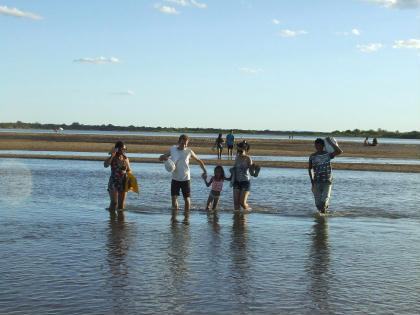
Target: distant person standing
x,y
374,142
230,142
180,154
120,165
366,142
219,146
319,169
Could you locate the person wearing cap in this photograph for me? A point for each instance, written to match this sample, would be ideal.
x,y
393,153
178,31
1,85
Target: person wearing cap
x,y
319,169
180,154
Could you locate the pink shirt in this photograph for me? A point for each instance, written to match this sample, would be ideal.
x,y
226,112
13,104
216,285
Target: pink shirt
x,y
216,185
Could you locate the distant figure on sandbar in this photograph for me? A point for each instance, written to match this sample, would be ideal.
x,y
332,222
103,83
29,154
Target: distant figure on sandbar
x,y
241,176
374,142
120,165
219,146
230,142
180,154
366,142
319,169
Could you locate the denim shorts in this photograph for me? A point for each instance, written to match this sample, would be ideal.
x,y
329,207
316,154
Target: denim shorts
x,y
242,185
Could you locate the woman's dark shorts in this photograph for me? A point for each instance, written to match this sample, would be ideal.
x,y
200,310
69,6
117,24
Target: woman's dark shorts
x,y
184,186
243,185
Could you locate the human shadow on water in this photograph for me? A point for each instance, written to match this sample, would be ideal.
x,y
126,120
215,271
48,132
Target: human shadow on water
x,y
319,265
240,264
118,244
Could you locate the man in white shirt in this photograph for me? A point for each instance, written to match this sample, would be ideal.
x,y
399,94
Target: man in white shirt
x,y
180,154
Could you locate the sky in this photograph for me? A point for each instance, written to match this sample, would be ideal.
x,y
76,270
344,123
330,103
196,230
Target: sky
x,y
242,64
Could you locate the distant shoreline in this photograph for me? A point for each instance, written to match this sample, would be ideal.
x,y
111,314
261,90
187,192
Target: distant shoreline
x,y
160,144
380,133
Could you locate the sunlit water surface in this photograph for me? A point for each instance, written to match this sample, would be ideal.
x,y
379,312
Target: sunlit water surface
x,y
61,252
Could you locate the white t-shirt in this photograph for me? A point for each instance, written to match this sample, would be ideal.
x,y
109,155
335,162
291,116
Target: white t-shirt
x,y
181,159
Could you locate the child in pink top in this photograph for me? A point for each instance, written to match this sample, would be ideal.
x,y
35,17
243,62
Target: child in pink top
x,y
216,183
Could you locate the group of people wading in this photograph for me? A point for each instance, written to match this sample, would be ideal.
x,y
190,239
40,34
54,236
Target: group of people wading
x,y
240,175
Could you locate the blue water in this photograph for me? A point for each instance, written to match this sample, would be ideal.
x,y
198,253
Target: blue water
x,y
341,159
63,253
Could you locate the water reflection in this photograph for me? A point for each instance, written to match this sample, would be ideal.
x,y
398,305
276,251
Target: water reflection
x,y
240,272
178,252
319,265
118,245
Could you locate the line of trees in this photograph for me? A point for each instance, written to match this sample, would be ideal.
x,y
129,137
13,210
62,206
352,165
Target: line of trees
x,y
379,133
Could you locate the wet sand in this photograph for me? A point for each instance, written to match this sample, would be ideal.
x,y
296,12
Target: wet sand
x,y
151,144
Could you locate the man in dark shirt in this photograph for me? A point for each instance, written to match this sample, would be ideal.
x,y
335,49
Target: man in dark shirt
x,y
319,169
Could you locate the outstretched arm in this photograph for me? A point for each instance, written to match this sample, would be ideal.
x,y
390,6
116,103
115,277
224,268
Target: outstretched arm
x,y
201,163
310,172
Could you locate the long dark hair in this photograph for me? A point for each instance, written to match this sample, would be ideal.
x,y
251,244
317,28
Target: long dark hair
x,y
243,145
120,146
219,167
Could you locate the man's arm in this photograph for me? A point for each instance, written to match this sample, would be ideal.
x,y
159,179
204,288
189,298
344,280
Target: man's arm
x,y
201,163
310,171
164,157
337,150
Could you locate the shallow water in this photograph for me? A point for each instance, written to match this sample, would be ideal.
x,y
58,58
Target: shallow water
x,y
271,158
63,253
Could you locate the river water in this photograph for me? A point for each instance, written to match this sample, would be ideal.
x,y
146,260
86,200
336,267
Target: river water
x,y
63,253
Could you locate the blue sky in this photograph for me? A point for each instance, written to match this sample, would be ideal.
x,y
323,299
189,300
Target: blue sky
x,y
280,65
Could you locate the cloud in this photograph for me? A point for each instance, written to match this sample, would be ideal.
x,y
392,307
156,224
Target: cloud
x,y
125,93
97,60
354,32
290,33
369,48
275,21
250,70
187,3
409,43
397,4
166,9
17,13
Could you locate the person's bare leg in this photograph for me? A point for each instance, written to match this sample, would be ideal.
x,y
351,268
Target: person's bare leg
x,y
174,208
215,203
209,201
244,200
187,209
236,195
121,200
113,196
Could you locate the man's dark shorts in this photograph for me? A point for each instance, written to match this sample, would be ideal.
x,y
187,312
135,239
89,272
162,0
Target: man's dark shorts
x,y
230,147
243,185
184,186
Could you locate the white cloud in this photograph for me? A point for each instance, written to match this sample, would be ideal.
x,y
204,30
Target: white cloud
x,y
98,60
17,13
199,5
409,43
166,9
275,21
399,4
125,93
248,70
369,48
290,33
354,32
186,3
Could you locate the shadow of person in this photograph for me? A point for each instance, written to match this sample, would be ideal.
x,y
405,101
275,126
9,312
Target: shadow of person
x,y
319,265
